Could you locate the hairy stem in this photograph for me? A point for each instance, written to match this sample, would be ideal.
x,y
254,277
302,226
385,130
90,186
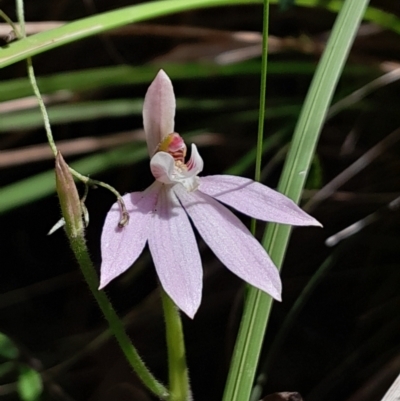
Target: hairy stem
x,y
178,372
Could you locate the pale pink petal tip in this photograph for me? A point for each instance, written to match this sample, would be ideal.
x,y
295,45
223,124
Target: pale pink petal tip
x,y
120,247
195,163
231,241
104,280
158,111
177,261
255,200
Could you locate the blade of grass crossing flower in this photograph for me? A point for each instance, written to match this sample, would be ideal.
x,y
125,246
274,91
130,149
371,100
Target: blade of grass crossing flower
x,y
258,305
241,375
263,92
273,141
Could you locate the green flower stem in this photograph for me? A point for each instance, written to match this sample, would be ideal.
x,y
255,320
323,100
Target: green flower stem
x,y
43,110
72,214
179,387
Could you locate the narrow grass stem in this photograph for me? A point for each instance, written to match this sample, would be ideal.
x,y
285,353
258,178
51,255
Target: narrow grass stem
x,y
179,387
244,360
263,91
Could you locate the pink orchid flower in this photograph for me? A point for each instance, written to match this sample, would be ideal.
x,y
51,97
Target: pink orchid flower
x,y
164,215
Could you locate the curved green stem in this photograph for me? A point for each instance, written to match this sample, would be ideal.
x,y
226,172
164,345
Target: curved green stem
x,y
8,20
179,387
90,181
32,78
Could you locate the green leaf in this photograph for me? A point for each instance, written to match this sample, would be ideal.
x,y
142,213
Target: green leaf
x,y
258,304
6,367
86,27
286,4
8,349
29,384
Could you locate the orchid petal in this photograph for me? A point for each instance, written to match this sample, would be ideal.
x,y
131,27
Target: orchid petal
x,y
231,241
165,169
162,166
121,246
175,253
255,200
158,111
195,164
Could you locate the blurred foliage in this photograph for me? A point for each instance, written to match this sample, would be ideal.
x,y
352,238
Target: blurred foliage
x,y
29,384
8,350
286,4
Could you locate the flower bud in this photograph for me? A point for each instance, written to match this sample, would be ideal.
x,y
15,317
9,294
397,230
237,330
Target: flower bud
x,y
71,207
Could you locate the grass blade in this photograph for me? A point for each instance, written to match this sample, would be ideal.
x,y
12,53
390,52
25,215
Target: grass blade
x,y
258,304
86,27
